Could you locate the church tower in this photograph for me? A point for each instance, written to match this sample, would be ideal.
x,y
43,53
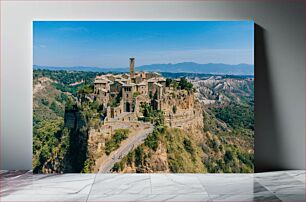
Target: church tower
x,y
132,67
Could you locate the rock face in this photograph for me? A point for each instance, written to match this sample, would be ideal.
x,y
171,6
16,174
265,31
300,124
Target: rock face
x,y
74,119
159,161
96,140
182,110
156,163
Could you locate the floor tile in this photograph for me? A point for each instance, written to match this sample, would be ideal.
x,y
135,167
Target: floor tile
x,y
273,175
245,198
298,175
116,184
14,181
176,184
219,184
260,189
43,198
3,171
180,197
14,174
149,198
287,186
292,197
282,183
266,198
49,184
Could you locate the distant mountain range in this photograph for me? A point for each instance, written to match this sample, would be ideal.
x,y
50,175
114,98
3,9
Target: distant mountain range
x,y
81,68
187,67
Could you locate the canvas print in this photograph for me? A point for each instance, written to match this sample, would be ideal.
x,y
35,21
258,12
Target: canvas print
x,y
143,97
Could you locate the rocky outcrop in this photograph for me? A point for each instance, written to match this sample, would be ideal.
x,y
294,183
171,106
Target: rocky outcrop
x,y
182,110
74,119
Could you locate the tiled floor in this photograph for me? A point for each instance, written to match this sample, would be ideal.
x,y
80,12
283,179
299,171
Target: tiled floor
x,y
273,186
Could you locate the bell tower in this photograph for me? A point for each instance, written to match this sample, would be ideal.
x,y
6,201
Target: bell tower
x,y
132,67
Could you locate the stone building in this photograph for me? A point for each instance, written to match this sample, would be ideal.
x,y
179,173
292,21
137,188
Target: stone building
x,y
116,86
142,88
127,97
158,91
101,83
151,87
102,96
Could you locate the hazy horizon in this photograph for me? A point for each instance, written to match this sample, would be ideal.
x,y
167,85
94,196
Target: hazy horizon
x,y
127,66
109,44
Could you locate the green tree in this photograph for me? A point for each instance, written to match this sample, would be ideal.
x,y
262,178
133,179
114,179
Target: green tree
x,y
185,85
152,140
139,156
168,82
44,155
188,146
174,109
114,142
116,167
228,156
44,101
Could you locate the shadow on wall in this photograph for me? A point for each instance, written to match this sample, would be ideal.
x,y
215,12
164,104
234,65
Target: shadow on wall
x,y
267,135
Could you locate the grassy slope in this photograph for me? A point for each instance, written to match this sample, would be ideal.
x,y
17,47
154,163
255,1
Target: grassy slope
x,y
175,152
184,154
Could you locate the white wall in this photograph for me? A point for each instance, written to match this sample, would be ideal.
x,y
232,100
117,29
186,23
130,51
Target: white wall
x,y
279,61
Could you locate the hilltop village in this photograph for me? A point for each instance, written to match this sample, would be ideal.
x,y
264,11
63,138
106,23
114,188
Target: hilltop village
x,y
122,95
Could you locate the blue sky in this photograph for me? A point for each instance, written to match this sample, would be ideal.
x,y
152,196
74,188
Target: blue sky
x,y
111,43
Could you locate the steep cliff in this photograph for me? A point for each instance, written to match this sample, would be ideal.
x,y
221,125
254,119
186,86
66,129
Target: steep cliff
x,y
76,123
